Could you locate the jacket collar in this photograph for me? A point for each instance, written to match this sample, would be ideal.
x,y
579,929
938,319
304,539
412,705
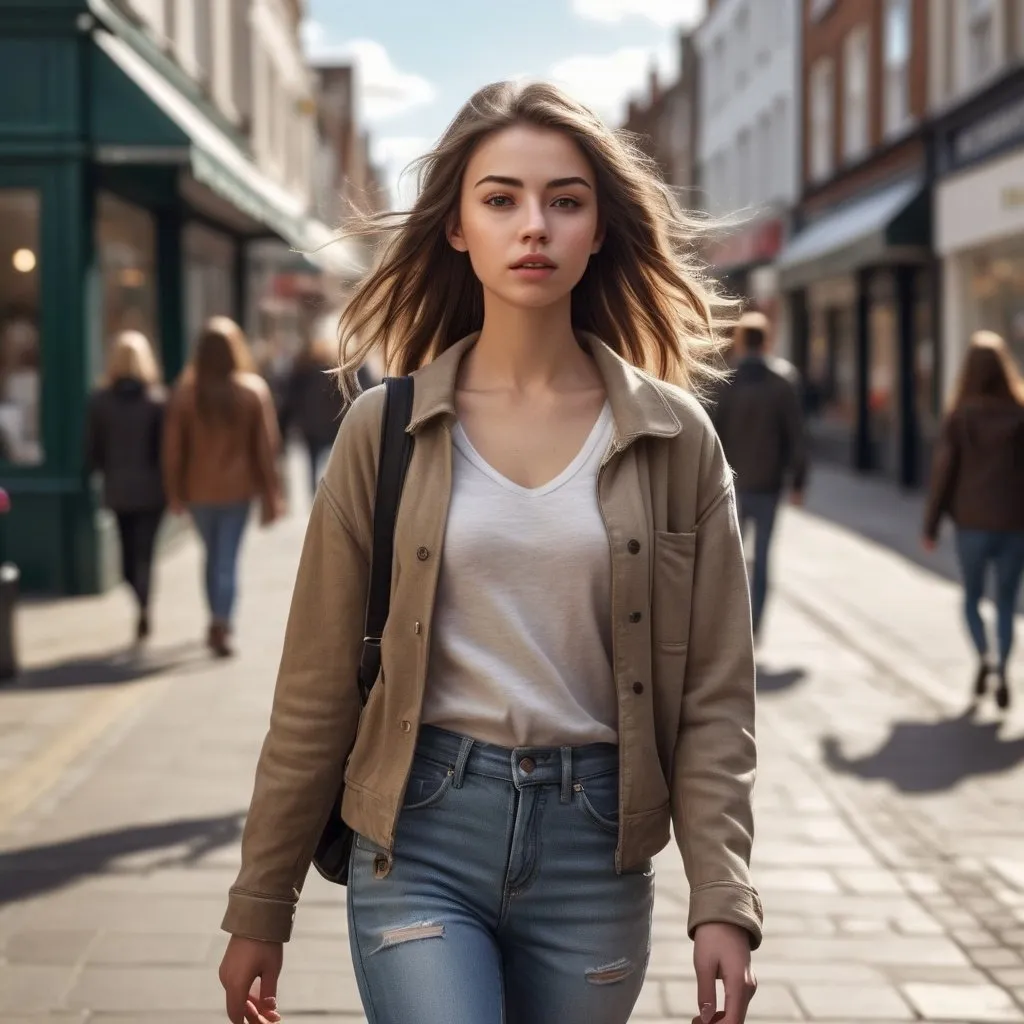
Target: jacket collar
x,y
639,407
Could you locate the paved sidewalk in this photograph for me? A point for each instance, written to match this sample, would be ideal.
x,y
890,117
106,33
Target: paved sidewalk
x,y
890,845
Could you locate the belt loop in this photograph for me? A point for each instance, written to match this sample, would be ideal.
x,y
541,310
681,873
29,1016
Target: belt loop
x,y
566,774
460,761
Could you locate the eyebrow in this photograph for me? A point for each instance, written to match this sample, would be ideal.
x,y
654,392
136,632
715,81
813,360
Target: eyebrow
x,y
500,179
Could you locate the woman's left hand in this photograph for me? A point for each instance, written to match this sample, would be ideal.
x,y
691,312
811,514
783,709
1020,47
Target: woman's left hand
x,y
723,951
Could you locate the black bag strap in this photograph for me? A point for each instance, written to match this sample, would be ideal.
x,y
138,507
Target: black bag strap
x,y
395,450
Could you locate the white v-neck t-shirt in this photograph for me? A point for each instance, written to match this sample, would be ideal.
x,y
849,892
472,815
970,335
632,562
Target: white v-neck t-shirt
x,y
521,649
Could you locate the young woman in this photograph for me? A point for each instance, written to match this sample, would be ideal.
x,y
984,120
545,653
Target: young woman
x,y
219,449
568,664
978,480
123,443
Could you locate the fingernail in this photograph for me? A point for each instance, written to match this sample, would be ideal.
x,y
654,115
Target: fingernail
x,y
271,1002
707,1011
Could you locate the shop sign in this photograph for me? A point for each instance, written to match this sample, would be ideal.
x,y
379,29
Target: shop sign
x,y
759,244
989,133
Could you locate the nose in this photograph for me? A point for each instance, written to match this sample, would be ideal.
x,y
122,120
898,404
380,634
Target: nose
x,y
535,226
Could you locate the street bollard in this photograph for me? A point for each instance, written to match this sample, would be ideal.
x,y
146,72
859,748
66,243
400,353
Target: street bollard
x,y
9,578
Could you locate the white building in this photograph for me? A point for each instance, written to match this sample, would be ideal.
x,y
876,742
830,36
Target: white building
x,y
976,93
748,125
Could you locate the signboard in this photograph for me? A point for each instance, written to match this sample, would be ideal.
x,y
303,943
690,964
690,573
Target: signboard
x,y
760,243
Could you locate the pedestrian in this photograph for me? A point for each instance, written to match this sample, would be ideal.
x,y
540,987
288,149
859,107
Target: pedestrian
x,y
220,444
978,481
125,423
760,423
314,404
568,669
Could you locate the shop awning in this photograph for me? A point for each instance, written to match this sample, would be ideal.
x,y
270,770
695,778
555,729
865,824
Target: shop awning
x,y
886,226
160,125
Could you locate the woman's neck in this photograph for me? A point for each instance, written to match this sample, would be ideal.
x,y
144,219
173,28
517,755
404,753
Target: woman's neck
x,y
526,349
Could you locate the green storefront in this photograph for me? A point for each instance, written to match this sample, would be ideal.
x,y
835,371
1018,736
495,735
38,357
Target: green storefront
x,y
126,200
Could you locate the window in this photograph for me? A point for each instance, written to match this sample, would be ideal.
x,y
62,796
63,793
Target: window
x,y
202,31
766,150
782,142
741,47
980,39
719,75
822,118
744,168
20,362
856,101
897,65
241,61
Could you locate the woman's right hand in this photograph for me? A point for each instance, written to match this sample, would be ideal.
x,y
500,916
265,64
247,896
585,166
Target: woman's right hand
x,y
249,973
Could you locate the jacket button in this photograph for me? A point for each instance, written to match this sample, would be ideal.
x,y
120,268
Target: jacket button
x,y
406,726
422,554
635,616
638,687
633,547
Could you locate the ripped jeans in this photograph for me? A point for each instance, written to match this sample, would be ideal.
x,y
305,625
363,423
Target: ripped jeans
x,y
501,904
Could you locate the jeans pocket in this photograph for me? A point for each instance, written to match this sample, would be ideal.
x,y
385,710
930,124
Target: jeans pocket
x,y
429,782
598,798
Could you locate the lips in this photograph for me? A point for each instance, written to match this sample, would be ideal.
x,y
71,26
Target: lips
x,y
534,261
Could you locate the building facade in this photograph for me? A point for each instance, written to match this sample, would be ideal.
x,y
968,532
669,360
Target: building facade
x,y
858,273
145,145
749,121
976,91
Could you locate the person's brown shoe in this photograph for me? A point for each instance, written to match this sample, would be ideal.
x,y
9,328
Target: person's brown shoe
x,y
218,640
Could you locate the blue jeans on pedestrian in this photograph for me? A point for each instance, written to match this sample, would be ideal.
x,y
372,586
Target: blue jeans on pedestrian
x,y
221,528
501,903
759,507
1004,550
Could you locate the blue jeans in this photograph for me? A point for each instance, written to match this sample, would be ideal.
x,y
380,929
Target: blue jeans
x,y
221,528
501,904
758,507
1003,549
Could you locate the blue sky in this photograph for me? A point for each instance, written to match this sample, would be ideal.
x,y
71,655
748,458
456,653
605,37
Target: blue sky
x,y
419,60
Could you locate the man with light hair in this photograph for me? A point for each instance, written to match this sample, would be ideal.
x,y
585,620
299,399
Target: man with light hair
x,y
760,423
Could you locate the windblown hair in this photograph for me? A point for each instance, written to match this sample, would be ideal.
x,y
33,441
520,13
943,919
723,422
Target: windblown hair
x,y
131,358
988,371
221,352
645,293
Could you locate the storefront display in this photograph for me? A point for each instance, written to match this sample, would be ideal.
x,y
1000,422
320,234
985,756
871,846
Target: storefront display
x,y
210,276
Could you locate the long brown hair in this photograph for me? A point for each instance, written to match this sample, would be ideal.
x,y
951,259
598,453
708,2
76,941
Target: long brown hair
x,y
221,352
645,293
988,371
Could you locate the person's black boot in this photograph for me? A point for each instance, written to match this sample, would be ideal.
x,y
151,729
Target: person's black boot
x,y
981,679
142,626
1003,691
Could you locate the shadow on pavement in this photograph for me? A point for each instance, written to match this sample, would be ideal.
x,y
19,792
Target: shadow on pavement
x,y
777,681
931,757
122,666
35,870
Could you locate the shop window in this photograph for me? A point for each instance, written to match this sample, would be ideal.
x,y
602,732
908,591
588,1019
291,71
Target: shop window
x,y
856,53
897,65
831,386
126,247
20,357
209,278
822,118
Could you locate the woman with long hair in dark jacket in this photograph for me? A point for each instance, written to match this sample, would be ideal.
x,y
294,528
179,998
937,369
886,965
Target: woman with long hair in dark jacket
x,y
978,480
125,425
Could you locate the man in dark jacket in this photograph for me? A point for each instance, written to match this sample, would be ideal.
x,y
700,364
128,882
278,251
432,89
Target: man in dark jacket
x,y
760,423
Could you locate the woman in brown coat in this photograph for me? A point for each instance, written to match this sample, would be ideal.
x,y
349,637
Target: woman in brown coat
x,y
978,480
219,449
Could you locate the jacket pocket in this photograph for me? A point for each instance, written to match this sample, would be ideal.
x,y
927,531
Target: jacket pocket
x,y
672,588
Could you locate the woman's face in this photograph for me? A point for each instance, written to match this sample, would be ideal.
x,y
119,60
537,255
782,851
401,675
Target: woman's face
x,y
528,215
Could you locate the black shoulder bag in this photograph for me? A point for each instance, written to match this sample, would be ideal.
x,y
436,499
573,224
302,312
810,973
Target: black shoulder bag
x,y
335,846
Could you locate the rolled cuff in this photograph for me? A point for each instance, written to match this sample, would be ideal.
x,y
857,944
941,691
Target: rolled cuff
x,y
726,903
267,918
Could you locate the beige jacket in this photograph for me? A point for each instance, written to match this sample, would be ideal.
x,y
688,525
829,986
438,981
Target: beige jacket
x,y
684,668
216,464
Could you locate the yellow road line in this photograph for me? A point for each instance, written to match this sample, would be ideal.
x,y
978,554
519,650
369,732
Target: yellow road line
x,y
42,770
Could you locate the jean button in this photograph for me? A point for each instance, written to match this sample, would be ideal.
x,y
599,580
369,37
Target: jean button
x,y
406,726
527,765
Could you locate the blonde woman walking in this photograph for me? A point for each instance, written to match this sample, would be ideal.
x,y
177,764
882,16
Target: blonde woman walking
x,y
568,663
123,432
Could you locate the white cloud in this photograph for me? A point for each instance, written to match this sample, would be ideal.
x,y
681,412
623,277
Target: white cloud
x,y
666,13
606,81
394,153
384,90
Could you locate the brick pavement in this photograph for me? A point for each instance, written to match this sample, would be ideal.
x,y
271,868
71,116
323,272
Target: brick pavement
x,y
890,845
